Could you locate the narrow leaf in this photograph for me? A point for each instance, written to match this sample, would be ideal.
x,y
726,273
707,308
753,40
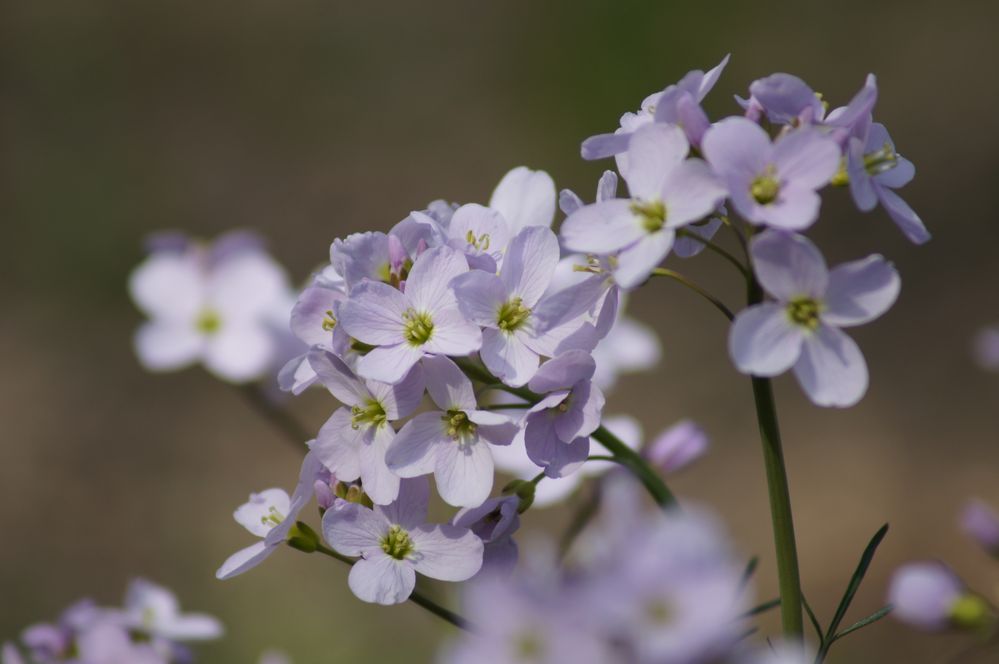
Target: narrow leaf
x,y
855,580
747,575
813,620
762,608
873,618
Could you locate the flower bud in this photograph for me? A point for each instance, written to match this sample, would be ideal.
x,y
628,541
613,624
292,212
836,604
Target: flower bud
x,y
303,538
677,447
523,489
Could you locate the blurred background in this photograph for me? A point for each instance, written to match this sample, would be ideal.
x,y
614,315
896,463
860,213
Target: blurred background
x,y
310,120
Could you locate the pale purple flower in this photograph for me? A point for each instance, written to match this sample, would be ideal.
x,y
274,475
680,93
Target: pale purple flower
x,y
525,198
313,321
154,610
353,441
394,542
981,523
986,348
854,119
924,595
569,202
481,233
785,99
801,329
106,642
773,184
370,256
876,170
222,312
678,104
521,322
404,327
454,442
667,191
557,428
677,447
270,515
494,522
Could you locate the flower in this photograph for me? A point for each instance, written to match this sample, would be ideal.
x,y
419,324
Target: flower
x,y
394,543
525,198
785,99
403,327
929,596
494,522
986,348
452,443
981,523
677,447
773,184
313,321
801,329
667,191
270,515
557,428
875,170
353,441
154,610
220,308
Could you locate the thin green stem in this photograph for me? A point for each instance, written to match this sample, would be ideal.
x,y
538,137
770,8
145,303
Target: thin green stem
x,y
727,221
717,248
676,276
279,418
417,597
780,497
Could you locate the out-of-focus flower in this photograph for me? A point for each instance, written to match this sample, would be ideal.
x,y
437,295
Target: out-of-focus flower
x,y
394,542
677,447
801,329
154,610
986,348
981,523
929,596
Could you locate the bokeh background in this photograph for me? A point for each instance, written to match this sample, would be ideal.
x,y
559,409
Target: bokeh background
x,y
309,120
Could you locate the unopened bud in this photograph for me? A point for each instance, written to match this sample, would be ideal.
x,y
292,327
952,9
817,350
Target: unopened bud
x,y
303,538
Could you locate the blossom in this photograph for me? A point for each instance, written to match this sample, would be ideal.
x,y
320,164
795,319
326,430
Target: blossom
x,y
494,522
925,595
394,542
370,256
522,323
773,184
667,191
313,321
109,643
525,198
801,329
270,515
557,428
677,447
453,442
220,309
353,441
785,99
981,523
404,327
986,348
154,610
875,170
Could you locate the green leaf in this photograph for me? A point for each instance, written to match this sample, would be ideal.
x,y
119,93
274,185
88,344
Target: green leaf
x,y
873,618
762,608
749,571
814,620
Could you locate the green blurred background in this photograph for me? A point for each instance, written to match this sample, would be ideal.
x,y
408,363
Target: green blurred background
x,y
310,120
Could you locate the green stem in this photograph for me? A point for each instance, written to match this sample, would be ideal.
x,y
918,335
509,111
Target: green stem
x,y
676,276
417,597
718,249
780,497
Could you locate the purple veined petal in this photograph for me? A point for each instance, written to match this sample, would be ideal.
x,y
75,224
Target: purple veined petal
x,y
338,446
590,404
244,560
569,201
508,357
692,118
165,346
373,314
352,529
860,291
480,295
636,263
401,399
789,266
574,303
691,193
414,450
563,372
578,334
903,216
380,483
529,263
446,552
246,285
525,198
831,369
311,313
763,341
337,377
606,187
453,334
687,247
169,286
877,137
737,147
389,364
360,257
492,429
711,77
252,514
795,209
240,352
806,157
410,509
448,386
382,579
464,472
655,150
297,375
602,146
862,187
784,97
428,284
602,228
899,176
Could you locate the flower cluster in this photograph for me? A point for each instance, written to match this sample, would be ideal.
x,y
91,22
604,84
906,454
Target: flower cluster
x,y
149,628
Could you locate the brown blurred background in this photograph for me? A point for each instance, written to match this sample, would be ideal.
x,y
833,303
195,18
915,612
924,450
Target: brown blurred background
x,y
309,120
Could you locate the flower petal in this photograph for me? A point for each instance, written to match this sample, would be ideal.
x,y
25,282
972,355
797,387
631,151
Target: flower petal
x,y
654,151
860,291
563,372
428,286
448,386
337,377
806,157
903,216
446,552
508,357
525,198
410,508
244,560
763,341
389,364
636,263
401,399
480,295
691,193
601,228
453,334
373,314
165,345
529,263
382,579
736,147
789,266
338,446
168,285
414,450
240,352
464,472
831,369
380,483
353,529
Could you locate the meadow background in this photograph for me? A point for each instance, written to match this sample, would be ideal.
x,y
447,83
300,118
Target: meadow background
x,y
310,120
